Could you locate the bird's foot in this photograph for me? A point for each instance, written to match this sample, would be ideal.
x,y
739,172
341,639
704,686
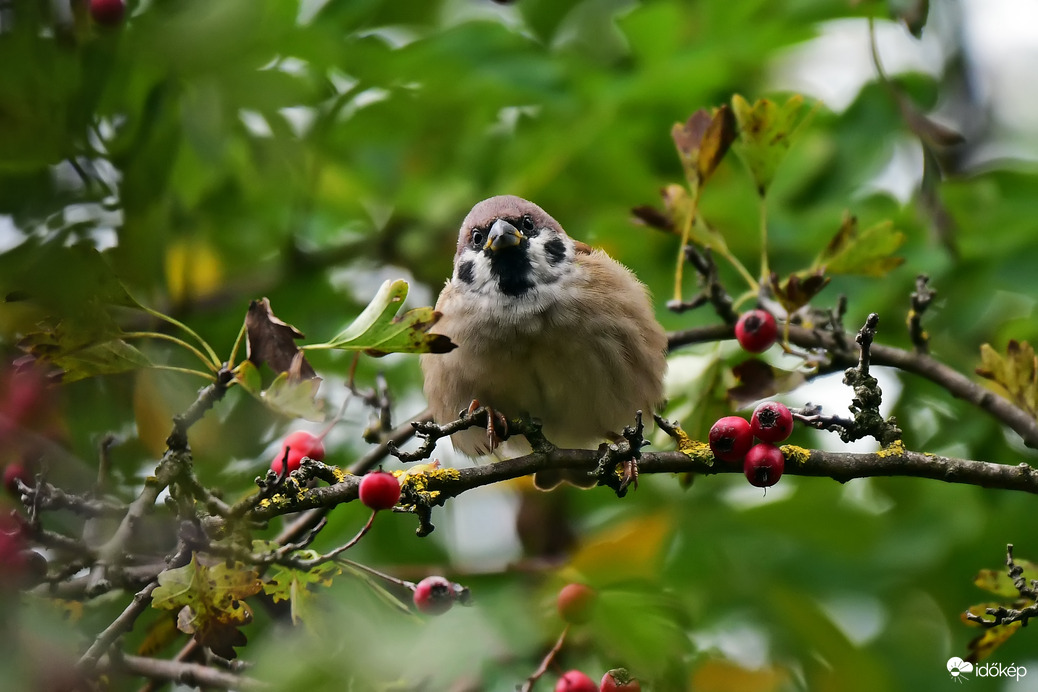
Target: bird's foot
x,y
496,421
623,452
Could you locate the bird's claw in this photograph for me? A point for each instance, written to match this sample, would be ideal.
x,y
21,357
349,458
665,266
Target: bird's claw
x,y
495,421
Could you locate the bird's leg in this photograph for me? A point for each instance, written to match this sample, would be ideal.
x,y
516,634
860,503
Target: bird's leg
x,y
634,434
493,417
624,449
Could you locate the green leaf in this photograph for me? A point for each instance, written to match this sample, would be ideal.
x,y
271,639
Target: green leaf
x,y
81,354
87,282
766,131
866,253
249,377
287,394
209,601
294,397
293,585
209,591
1016,372
378,330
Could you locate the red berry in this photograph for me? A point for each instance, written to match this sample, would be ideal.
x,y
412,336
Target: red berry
x,y
764,465
434,595
300,444
575,681
108,12
379,490
771,422
730,438
16,471
575,603
619,679
756,330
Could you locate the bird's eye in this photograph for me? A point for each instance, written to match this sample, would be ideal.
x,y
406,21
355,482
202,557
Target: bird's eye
x,y
477,238
527,223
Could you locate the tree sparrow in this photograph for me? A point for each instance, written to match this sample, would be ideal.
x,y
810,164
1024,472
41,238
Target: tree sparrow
x,y
546,327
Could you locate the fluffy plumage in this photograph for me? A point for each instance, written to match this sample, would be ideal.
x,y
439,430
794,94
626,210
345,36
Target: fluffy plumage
x,y
546,327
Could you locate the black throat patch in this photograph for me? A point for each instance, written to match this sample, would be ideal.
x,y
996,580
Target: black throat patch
x,y
513,270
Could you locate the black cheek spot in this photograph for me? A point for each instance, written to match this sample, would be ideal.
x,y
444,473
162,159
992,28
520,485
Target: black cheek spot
x,y
465,271
556,250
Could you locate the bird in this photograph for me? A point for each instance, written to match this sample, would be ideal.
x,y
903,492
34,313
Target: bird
x,y
546,328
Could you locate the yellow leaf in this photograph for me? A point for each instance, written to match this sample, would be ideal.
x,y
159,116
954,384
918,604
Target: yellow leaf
x,y
630,549
1016,372
724,676
193,270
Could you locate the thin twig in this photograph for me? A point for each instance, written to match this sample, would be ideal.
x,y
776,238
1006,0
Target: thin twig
x,y
546,661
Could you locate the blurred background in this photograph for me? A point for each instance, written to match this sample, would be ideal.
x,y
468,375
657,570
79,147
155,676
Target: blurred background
x,y
218,152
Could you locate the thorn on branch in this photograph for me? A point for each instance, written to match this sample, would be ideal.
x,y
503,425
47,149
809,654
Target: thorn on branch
x,y
921,299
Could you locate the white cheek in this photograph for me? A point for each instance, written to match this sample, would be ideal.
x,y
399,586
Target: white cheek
x,y
488,308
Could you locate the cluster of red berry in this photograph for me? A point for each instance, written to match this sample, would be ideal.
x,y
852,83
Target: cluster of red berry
x,y
731,440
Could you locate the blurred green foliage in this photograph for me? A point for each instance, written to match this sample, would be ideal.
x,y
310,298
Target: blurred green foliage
x,y
217,152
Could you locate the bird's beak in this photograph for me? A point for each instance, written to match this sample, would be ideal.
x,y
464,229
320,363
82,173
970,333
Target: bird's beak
x,y
502,235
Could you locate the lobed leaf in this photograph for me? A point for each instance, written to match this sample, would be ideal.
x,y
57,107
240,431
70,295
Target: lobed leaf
x,y
272,341
293,585
80,352
766,131
991,638
210,601
865,253
703,140
1016,372
798,289
287,394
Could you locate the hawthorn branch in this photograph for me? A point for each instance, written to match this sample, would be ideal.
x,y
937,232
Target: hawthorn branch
x,y
174,463
712,291
920,364
182,672
443,484
1006,616
545,662
125,621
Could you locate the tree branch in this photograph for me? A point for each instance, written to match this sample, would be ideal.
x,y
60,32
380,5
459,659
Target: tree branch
x,y
189,674
442,484
920,364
